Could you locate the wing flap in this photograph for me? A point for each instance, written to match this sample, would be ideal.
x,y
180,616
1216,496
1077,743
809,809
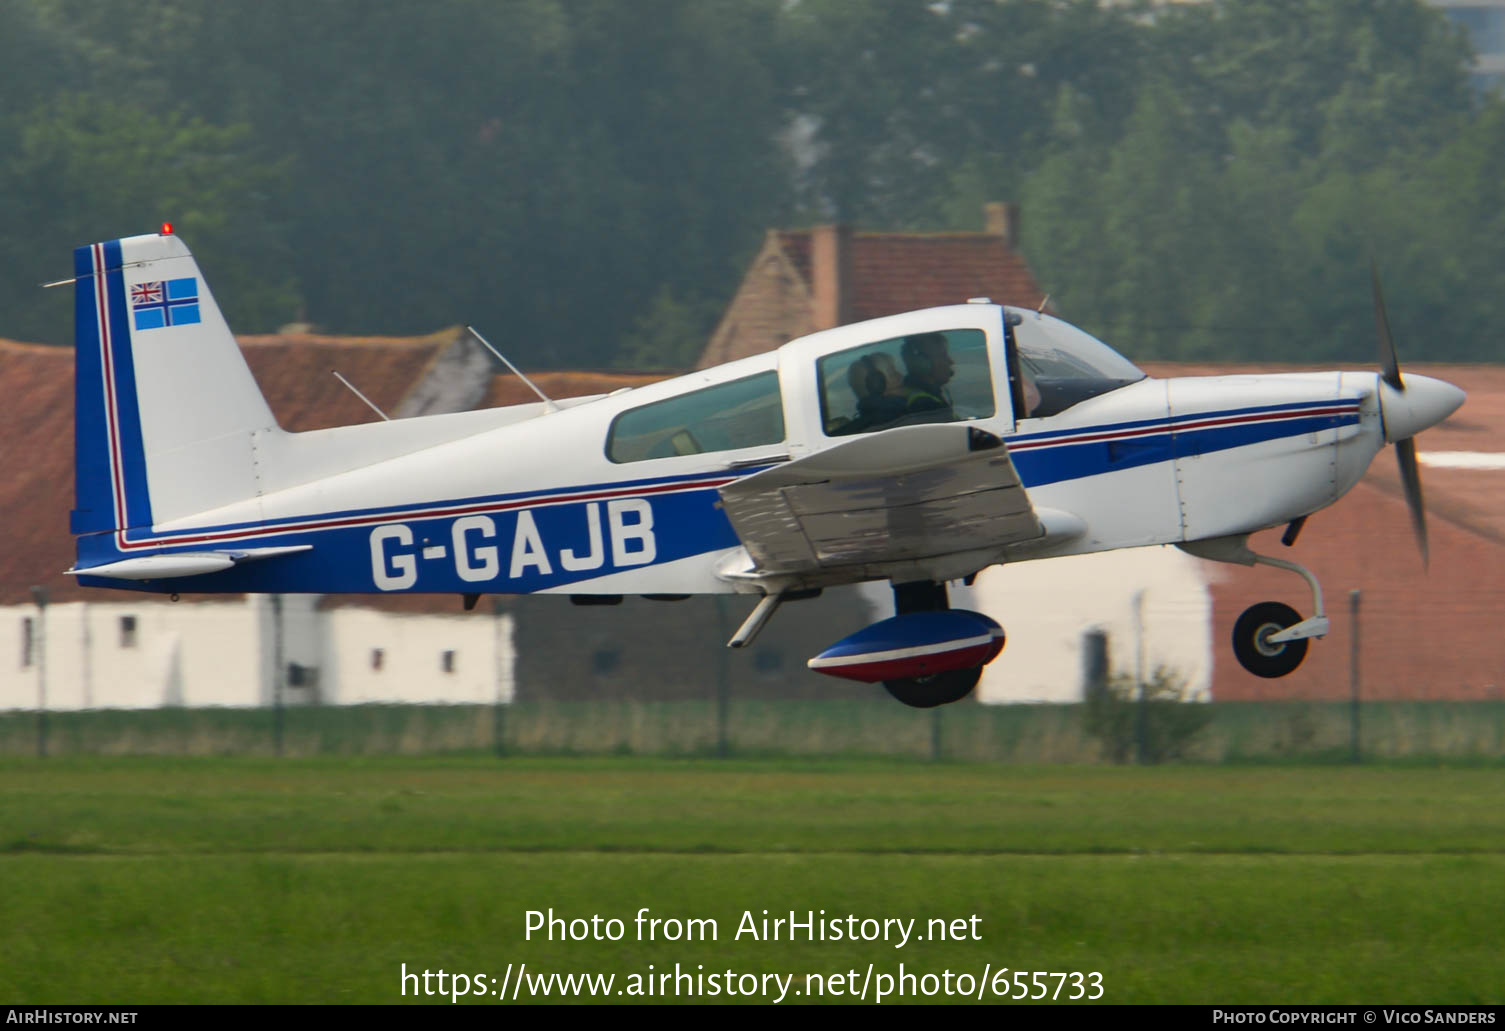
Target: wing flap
x,y
902,494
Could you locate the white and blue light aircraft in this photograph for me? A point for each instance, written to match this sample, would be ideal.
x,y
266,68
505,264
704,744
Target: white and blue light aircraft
x,y
917,449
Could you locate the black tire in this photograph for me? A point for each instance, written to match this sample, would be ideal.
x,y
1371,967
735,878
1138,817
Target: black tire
x,y
1254,654
938,689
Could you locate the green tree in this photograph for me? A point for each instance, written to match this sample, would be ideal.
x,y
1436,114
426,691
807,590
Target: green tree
x,y
1236,212
543,168
585,179
87,169
907,104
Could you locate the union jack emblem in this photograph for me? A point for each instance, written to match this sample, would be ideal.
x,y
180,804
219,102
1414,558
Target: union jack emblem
x,y
146,293
169,302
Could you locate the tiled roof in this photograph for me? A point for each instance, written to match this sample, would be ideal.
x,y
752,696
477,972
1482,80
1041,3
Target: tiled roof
x,y
507,389
36,493
36,432
898,272
295,374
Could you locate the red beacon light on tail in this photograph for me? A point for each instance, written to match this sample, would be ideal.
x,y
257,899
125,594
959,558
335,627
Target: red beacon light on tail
x,y
166,229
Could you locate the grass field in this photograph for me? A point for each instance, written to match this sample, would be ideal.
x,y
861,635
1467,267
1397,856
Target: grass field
x,y
147,880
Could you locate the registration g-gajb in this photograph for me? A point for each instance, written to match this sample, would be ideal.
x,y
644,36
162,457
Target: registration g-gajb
x,y
917,449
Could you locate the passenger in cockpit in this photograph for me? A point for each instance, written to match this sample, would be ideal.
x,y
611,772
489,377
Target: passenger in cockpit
x,y
879,389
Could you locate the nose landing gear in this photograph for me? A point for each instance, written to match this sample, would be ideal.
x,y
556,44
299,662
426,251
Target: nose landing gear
x,y
1269,639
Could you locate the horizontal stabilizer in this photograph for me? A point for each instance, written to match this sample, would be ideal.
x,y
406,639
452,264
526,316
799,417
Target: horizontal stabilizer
x,y
184,563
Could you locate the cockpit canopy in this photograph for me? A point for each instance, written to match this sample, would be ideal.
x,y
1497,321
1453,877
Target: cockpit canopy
x,y
944,365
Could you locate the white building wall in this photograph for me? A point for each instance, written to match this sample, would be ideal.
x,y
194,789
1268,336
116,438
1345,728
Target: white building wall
x,y
1046,607
191,653
222,654
412,648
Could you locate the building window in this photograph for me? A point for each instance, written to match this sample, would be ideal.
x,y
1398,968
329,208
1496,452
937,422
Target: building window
x,y
377,658
447,661
28,642
299,675
127,631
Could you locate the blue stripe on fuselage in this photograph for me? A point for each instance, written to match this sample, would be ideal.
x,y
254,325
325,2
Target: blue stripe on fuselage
x,y
518,551
1040,466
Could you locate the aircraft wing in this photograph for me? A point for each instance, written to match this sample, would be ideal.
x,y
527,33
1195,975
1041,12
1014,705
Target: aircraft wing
x,y
905,493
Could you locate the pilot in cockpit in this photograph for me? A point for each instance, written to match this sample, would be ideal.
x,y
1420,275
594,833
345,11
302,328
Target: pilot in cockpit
x,y
928,367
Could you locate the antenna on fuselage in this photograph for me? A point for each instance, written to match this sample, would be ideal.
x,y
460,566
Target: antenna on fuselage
x,y
1041,310
369,403
549,405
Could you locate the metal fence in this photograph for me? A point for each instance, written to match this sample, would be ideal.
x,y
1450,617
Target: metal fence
x,y
1215,732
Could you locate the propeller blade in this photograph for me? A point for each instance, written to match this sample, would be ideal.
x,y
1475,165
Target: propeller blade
x,y
1410,476
1389,365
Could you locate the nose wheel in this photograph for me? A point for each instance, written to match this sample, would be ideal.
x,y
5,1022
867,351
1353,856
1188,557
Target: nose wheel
x,y
1269,639
1252,644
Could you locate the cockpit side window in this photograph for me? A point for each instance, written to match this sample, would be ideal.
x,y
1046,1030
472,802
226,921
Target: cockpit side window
x,y
729,416
924,377
1061,366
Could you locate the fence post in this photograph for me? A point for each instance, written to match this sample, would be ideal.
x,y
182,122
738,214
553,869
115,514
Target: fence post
x,y
1353,672
279,673
723,678
1141,747
39,595
498,708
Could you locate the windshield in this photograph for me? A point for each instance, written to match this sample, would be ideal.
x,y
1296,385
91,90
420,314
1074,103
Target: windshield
x,y
1062,366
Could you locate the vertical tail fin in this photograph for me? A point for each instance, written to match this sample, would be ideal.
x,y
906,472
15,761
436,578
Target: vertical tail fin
x,y
166,410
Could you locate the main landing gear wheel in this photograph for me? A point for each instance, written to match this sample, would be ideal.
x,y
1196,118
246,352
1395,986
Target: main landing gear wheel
x,y
1251,642
937,689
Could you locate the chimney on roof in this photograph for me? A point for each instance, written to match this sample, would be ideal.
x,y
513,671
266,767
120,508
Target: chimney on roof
x,y
1002,219
831,275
